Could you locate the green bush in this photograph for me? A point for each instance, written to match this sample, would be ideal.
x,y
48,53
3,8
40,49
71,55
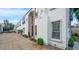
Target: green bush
x,y
71,42
72,34
74,38
40,41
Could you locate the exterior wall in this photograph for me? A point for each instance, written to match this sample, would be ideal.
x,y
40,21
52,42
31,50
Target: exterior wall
x,y
26,25
26,18
60,14
68,26
23,26
44,26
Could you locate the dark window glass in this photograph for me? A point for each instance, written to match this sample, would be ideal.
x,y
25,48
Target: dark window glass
x,y
56,29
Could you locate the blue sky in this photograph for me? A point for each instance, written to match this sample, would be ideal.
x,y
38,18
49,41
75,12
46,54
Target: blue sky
x,y
15,14
12,14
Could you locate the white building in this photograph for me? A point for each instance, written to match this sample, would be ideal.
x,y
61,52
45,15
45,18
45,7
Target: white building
x,y
51,24
22,25
1,28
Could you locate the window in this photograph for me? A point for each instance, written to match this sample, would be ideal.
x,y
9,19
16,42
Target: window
x,y
36,14
40,14
56,29
23,22
23,30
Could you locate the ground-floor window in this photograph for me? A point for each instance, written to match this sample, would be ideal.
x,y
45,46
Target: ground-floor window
x,y
56,29
23,30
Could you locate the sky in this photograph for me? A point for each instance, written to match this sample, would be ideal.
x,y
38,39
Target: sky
x,y
15,14
12,14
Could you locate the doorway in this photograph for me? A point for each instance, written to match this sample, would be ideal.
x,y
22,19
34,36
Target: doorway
x,y
31,24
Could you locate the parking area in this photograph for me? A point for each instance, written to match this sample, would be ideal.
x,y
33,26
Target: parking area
x,y
13,41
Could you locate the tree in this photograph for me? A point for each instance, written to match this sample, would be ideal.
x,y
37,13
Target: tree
x,y
8,26
74,11
6,21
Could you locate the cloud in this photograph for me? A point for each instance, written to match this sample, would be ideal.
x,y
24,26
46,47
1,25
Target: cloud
x,y
12,14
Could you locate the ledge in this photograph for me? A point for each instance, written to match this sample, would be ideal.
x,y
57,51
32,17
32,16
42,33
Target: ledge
x,y
56,40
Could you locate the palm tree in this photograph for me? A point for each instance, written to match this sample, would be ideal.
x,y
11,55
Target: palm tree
x,y
74,11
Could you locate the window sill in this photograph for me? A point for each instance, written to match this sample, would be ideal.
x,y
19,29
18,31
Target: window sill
x,y
56,40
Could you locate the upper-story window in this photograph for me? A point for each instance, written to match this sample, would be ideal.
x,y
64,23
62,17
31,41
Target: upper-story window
x,y
23,30
41,11
23,21
35,29
36,14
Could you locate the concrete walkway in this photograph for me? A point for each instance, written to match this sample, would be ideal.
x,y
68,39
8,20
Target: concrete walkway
x,y
76,44
13,41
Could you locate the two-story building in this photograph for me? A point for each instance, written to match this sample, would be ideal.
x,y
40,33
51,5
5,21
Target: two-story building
x,y
51,24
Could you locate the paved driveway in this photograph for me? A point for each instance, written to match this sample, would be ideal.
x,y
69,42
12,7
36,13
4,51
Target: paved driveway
x,y
13,41
76,45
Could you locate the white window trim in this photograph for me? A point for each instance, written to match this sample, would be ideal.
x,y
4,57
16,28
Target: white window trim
x,y
58,40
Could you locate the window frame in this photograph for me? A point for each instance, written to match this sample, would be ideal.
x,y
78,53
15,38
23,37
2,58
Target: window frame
x,y
55,39
56,29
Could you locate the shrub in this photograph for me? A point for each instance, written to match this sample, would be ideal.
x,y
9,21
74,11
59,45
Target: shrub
x,y
71,42
40,41
74,38
72,34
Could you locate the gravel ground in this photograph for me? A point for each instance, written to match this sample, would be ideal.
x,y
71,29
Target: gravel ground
x,y
13,41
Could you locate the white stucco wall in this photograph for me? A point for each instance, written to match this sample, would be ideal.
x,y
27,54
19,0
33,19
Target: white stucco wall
x,y
25,26
59,14
68,30
44,26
